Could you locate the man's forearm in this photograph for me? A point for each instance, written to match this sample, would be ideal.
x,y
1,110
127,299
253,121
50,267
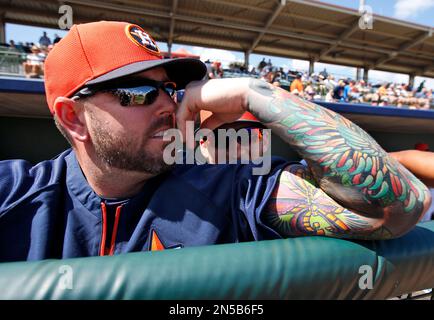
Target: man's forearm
x,y
297,207
345,161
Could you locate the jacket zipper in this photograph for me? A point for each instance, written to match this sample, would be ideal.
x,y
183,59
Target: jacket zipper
x,y
102,250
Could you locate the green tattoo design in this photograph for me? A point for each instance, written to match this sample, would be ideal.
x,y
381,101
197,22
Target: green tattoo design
x,y
345,161
298,208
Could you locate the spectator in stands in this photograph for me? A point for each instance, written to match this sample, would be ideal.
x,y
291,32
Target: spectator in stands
x,y
346,92
44,41
269,76
276,83
209,71
264,73
330,82
57,38
322,86
361,87
309,91
322,89
375,99
422,94
324,73
20,47
282,72
338,91
297,85
329,96
430,99
424,104
220,71
382,91
28,47
354,94
12,44
216,70
34,65
261,65
277,76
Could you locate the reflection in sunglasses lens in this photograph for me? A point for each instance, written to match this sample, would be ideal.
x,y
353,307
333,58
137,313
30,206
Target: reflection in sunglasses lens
x,y
151,96
179,95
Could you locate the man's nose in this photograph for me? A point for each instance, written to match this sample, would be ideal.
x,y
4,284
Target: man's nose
x,y
166,106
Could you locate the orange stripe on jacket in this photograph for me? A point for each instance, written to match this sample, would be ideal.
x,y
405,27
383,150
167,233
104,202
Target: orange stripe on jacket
x,y
156,244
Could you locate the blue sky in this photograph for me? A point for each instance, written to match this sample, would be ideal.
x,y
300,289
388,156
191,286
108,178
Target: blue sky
x,y
416,11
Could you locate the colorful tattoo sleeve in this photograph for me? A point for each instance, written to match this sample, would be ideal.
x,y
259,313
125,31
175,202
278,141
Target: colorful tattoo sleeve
x,y
297,207
346,164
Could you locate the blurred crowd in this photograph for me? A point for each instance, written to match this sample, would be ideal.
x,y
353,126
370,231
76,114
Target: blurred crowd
x,y
320,87
316,86
326,87
31,55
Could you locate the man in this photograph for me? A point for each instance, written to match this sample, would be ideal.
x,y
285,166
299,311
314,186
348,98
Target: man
x,y
114,193
324,74
56,39
297,85
347,91
338,91
261,65
330,82
256,144
44,41
33,66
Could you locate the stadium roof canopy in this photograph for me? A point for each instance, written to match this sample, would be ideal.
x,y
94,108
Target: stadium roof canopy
x,y
298,29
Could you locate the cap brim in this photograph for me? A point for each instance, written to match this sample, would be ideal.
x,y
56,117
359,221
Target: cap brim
x,y
216,125
180,70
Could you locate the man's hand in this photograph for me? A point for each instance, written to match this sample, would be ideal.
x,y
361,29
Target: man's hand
x,y
225,98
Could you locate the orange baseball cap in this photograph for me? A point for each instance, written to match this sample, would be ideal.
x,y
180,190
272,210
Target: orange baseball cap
x,y
96,52
246,117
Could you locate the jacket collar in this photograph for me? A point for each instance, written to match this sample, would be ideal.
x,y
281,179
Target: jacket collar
x,y
77,184
79,187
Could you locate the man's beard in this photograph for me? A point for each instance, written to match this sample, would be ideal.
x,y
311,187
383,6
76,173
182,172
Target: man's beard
x,y
119,152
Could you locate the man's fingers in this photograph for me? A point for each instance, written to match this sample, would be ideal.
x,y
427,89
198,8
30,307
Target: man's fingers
x,y
183,114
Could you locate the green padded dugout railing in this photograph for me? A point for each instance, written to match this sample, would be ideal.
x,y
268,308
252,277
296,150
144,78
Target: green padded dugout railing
x,y
299,268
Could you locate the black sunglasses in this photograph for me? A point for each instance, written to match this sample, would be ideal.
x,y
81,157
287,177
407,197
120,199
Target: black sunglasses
x,y
137,91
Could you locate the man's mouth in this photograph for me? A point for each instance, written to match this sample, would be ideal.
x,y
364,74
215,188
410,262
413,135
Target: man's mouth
x,y
160,132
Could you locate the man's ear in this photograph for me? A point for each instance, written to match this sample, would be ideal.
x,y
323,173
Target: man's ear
x,y
71,117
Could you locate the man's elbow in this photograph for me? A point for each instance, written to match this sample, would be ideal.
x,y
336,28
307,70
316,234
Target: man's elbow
x,y
400,222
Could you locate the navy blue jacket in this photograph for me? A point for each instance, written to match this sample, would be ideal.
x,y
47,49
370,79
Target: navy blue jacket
x,y
50,211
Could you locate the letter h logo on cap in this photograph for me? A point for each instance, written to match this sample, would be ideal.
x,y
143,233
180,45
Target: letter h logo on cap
x,y
141,38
